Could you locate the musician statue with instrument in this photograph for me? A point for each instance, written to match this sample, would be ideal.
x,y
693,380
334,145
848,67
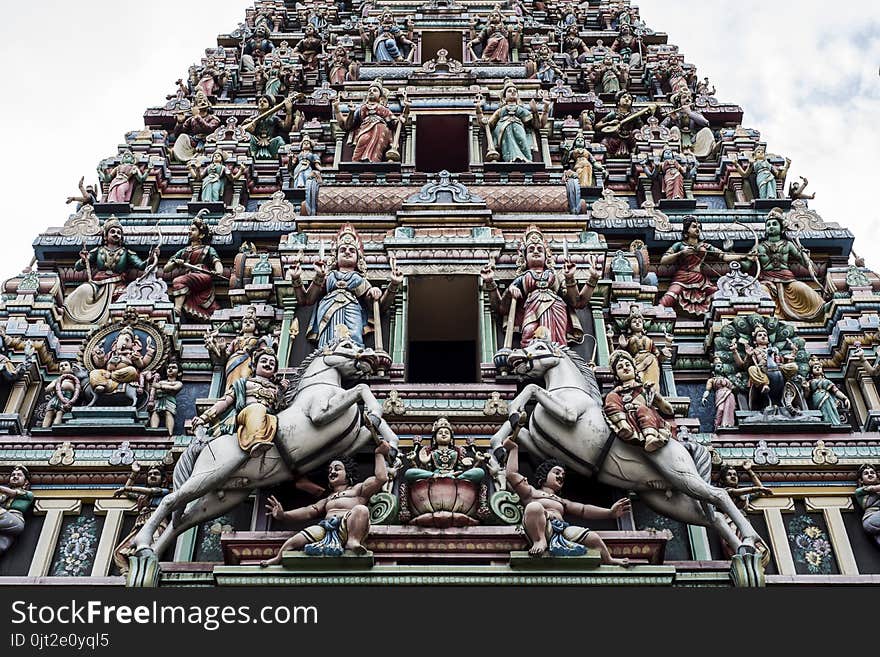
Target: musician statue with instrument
x,y
620,125
194,269
269,131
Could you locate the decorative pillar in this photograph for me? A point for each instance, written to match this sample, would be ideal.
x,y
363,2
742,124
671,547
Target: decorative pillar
x,y
398,324
738,189
488,337
476,155
669,379
603,356
699,538
285,344
185,548
831,508
114,510
544,136
772,507
54,510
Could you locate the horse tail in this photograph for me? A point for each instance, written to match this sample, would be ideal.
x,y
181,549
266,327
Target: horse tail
x,y
702,459
187,462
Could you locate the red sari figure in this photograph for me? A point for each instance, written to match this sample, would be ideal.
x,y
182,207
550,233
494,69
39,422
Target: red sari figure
x,y
543,297
194,269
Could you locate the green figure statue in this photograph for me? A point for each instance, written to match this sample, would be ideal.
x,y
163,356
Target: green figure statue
x,y
444,459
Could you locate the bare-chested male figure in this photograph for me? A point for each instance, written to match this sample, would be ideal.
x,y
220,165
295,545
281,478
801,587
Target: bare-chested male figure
x,y
346,512
544,511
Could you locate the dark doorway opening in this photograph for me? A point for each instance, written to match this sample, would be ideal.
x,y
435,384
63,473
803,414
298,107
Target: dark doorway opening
x,y
443,330
442,143
447,40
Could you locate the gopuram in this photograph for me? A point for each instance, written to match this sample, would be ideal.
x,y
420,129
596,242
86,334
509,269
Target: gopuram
x,y
444,292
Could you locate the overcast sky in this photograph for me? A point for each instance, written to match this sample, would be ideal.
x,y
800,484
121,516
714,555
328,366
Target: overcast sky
x,y
78,75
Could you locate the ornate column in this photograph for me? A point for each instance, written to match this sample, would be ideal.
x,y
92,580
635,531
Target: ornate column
x,y
831,508
398,324
603,355
54,510
488,338
700,548
772,507
286,342
114,510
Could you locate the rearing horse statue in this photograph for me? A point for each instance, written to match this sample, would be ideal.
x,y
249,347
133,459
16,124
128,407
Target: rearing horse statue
x,y
569,424
322,421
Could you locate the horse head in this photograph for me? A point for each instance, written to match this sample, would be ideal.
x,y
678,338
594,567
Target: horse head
x,y
351,360
535,359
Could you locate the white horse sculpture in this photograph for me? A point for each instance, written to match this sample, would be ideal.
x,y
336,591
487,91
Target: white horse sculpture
x,y
569,424
322,422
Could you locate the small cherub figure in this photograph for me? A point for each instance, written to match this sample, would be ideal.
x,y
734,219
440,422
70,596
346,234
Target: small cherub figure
x,y
543,519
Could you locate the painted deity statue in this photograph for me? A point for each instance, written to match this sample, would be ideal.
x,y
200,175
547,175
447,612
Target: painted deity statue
x,y
163,398
545,511
305,174
249,409
122,178
269,131
341,293
543,297
794,299
214,176
369,126
194,269
608,76
147,499
310,49
645,353
628,46
763,363
672,175
238,353
546,69
124,365
63,391
636,411
690,288
211,79
109,267
692,126
256,47
728,479
190,133
823,395
340,68
389,44
620,126
16,499
345,512
766,174
444,458
725,396
511,122
868,498
574,48
494,39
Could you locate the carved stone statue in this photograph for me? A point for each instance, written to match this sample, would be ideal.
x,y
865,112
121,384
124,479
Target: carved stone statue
x,y
766,174
147,499
494,39
310,49
109,267
770,373
823,395
636,411
305,173
64,392
620,126
214,176
609,76
253,403
124,365
194,269
690,125
511,124
369,126
343,295
868,497
725,396
163,398
268,131
543,297
546,69
646,355
690,288
574,48
16,500
191,132
545,511
345,512
794,299
122,179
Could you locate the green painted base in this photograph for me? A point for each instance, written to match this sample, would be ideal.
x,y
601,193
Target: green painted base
x,y
143,572
300,562
525,561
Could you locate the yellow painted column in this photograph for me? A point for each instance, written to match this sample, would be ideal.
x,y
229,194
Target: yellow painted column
x,y
772,508
831,508
115,511
55,510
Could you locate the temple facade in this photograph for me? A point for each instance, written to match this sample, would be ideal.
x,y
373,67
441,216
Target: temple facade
x,y
441,292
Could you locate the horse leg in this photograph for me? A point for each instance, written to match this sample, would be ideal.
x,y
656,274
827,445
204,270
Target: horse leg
x,y
208,507
197,485
516,405
555,409
684,509
339,403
